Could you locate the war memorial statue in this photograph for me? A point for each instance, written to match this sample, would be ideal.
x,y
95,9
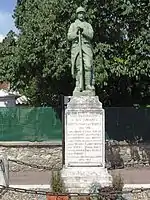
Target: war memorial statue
x,y
80,34
84,120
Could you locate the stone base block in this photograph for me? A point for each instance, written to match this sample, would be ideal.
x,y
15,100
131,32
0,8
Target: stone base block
x,y
84,93
81,179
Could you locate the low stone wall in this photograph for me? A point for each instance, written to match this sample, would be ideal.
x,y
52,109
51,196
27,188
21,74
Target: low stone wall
x,y
46,154
122,154
118,155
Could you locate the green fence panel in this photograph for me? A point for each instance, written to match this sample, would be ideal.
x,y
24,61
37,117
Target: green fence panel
x,y
29,124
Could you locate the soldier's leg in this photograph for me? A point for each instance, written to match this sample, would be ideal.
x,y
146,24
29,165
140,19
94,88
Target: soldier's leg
x,y
88,71
77,87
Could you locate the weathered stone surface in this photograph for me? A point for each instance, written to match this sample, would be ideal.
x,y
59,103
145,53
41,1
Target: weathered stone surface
x,y
84,132
84,145
118,155
84,102
122,154
84,139
49,156
80,179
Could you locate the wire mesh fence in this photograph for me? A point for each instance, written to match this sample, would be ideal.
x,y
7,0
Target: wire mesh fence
x,y
45,123
30,124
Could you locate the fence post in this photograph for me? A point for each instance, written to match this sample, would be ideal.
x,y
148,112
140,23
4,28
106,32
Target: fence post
x,y
4,171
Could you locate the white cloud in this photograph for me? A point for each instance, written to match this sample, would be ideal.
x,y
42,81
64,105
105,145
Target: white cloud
x,y
1,37
6,23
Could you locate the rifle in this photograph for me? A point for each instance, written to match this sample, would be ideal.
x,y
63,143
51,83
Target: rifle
x,y
81,63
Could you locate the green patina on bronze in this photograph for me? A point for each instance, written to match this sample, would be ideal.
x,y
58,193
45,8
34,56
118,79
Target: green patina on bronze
x,y
80,33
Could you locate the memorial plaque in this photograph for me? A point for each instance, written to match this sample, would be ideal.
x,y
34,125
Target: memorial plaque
x,y
84,139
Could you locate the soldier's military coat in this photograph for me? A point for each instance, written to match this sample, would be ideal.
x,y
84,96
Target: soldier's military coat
x,y
86,38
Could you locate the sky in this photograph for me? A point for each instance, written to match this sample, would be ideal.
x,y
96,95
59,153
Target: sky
x,y
6,20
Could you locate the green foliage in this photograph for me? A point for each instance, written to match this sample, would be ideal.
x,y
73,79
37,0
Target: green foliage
x,y
57,183
113,192
118,182
42,49
40,65
7,59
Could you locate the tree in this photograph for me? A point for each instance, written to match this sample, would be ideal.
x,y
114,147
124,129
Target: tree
x,y
121,48
42,51
7,58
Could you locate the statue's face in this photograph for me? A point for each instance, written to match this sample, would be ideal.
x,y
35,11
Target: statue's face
x,y
81,16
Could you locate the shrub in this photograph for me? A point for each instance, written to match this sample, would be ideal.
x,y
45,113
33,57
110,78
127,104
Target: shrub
x,y
57,182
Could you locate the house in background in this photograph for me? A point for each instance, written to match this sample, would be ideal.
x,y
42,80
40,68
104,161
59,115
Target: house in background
x,y
10,98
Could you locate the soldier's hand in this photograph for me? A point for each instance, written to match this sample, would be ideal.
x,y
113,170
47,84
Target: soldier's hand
x,y
79,29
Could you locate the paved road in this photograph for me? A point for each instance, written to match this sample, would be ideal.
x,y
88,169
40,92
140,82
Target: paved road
x,y
29,178
130,176
134,176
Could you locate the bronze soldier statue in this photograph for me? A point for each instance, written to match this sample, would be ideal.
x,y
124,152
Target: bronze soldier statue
x,y
80,34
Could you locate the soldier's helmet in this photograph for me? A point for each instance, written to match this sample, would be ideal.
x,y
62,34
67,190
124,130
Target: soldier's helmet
x,y
80,9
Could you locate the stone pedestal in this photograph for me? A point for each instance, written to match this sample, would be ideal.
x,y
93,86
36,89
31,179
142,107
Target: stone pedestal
x,y
84,145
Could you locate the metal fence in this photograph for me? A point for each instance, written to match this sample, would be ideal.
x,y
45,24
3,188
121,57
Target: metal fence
x,y
45,123
126,123
29,124
103,194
